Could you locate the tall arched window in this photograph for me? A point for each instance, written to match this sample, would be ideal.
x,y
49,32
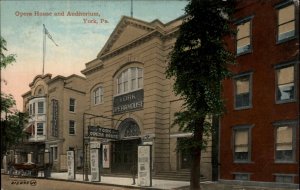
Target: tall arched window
x,y
97,95
129,80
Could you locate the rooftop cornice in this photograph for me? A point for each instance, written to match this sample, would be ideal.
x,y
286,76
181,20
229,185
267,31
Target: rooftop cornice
x,y
92,69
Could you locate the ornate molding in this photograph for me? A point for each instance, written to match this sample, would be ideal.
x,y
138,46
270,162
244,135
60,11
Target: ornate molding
x,y
91,70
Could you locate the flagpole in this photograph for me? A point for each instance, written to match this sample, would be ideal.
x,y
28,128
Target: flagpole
x,y
44,47
131,11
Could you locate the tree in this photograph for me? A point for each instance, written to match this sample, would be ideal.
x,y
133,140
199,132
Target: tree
x,y
198,64
11,121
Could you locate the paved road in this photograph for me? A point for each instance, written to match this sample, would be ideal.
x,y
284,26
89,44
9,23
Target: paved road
x,y
14,183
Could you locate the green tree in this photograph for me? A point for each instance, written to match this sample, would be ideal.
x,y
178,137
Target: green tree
x,y
198,64
12,121
7,100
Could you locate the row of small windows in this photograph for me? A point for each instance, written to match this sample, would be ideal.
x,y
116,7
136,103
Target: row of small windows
x,y
40,108
41,128
279,178
129,80
285,87
285,29
285,143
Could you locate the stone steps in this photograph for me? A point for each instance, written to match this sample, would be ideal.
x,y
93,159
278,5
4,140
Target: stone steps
x,y
181,175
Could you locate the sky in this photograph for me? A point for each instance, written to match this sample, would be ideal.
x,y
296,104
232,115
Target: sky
x,y
79,41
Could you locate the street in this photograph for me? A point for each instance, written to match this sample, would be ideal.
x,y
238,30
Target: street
x,y
22,183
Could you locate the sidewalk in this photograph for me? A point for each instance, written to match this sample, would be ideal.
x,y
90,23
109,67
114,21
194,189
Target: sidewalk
x,y
167,184
124,181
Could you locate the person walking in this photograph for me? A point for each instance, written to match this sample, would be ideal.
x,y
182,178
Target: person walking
x,y
133,171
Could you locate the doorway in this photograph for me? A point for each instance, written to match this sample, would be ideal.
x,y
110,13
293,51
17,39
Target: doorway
x,y
124,155
185,157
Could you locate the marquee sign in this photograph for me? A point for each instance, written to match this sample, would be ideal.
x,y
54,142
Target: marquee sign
x,y
128,102
101,132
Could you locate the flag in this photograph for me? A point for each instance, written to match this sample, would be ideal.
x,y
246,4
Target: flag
x,y
49,35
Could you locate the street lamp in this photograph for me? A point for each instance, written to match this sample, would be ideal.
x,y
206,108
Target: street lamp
x,y
86,144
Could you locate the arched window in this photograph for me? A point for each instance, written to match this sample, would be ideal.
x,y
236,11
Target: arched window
x,y
129,80
39,91
129,128
97,95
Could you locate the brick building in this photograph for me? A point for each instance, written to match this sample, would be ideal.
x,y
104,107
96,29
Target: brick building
x,y
55,107
259,134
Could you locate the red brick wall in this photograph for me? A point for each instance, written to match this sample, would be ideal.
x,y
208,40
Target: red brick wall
x,y
265,54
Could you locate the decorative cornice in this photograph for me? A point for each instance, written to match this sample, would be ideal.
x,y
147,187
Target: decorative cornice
x,y
120,28
39,76
139,41
74,90
91,70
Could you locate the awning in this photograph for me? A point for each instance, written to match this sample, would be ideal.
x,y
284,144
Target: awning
x,y
29,129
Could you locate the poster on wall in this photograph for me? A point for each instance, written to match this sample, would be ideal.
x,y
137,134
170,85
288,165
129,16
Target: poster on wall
x,y
144,166
106,156
71,165
95,167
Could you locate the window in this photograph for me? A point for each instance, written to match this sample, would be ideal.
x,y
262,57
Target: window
x,y
72,105
40,128
71,127
54,152
30,109
129,80
284,142
286,22
241,176
33,108
242,86
284,179
98,95
285,79
241,144
40,107
243,38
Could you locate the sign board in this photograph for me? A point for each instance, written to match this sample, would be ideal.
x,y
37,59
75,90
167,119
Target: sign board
x,y
95,167
101,132
106,156
128,102
71,165
144,166
54,121
95,145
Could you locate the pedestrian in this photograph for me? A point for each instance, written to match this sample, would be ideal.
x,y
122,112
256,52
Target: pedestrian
x,y
133,172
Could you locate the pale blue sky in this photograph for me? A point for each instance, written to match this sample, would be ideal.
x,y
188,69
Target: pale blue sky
x,y
78,42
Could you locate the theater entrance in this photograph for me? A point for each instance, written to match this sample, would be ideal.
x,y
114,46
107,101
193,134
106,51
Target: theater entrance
x,y
124,155
124,151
